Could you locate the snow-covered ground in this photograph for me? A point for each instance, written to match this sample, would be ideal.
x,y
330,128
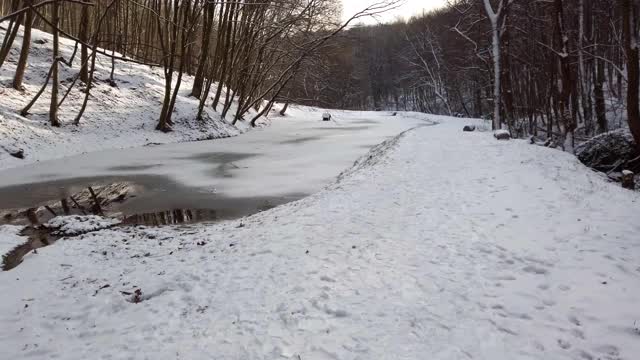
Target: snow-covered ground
x,y
117,117
438,244
9,238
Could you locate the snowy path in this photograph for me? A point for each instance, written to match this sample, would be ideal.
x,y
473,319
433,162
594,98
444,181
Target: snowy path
x,y
442,246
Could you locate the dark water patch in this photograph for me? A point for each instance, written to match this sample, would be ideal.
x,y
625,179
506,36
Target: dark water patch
x,y
224,170
126,196
171,217
300,140
344,128
143,210
91,200
40,193
133,167
218,157
365,122
211,206
48,176
224,161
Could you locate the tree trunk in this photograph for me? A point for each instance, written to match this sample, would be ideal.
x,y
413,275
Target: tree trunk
x,y
565,83
9,37
53,106
198,81
83,35
629,11
497,66
598,97
24,51
284,108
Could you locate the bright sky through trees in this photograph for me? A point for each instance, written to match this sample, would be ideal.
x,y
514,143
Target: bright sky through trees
x,y
409,8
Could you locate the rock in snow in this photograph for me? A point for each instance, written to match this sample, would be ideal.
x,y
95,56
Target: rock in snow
x,y
628,180
14,151
17,154
469,128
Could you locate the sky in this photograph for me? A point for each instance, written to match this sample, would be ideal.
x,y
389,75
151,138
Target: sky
x,y
410,7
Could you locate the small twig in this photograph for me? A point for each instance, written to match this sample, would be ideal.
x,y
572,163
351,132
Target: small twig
x,y
100,288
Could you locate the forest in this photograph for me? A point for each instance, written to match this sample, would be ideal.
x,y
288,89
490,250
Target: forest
x,y
562,70
252,48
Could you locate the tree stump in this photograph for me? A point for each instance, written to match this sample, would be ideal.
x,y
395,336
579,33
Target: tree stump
x,y
628,181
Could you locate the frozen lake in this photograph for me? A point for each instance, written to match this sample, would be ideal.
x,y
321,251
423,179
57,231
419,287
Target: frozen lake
x,y
295,156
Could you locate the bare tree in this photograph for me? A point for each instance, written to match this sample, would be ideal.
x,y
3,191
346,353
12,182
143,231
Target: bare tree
x,y
629,10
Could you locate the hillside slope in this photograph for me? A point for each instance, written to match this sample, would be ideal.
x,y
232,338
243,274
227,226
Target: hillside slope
x,y
119,116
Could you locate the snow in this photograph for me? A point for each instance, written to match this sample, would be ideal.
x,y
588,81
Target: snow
x,y
627,172
118,117
437,243
10,238
76,225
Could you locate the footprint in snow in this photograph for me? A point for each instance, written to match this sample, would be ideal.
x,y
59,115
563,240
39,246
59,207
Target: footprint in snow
x,y
609,350
535,270
578,334
564,344
574,320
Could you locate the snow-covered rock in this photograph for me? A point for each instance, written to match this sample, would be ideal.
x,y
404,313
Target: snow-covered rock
x,y
502,134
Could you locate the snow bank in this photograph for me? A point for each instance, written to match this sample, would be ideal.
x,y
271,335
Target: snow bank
x,y
116,117
448,245
10,238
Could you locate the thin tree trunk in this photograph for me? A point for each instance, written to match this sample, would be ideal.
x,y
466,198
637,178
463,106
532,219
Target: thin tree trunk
x,y
630,14
198,81
598,97
9,38
53,106
24,51
497,67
